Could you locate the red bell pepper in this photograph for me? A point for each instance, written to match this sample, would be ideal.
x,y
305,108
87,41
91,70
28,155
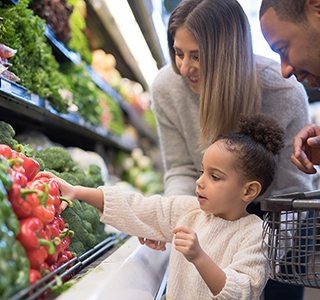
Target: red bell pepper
x,y
65,257
36,240
30,165
6,151
57,234
34,276
21,201
43,207
46,269
62,223
54,191
37,257
61,239
33,235
18,176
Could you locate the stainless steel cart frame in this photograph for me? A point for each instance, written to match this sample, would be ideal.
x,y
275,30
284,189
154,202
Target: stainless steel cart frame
x,y
291,238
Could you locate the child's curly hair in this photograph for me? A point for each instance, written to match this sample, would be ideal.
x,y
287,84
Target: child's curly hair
x,y
256,145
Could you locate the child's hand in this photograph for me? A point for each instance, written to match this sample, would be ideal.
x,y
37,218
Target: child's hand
x,y
186,242
156,245
65,188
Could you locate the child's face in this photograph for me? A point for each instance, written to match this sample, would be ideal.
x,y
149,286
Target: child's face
x,y
220,189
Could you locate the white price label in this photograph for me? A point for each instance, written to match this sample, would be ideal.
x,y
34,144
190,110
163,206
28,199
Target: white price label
x,y
6,86
35,98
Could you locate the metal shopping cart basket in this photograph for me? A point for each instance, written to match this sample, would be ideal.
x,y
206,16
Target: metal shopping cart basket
x,y
291,237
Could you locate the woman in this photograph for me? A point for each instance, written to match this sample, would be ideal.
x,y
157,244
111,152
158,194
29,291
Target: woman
x,y
213,78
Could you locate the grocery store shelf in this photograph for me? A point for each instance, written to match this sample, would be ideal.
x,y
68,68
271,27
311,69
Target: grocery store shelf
x,y
21,109
73,266
126,35
132,272
63,54
143,129
60,51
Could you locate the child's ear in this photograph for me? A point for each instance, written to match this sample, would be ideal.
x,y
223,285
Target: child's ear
x,y
252,190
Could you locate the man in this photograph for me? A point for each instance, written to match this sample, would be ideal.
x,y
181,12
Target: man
x,y
292,29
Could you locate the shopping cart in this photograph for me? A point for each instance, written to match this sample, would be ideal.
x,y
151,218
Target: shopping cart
x,y
291,238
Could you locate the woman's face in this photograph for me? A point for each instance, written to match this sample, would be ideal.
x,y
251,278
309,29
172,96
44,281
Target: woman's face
x,y
187,57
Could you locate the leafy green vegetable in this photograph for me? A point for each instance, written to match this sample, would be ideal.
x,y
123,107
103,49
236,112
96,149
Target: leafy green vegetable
x,y
34,62
84,90
79,42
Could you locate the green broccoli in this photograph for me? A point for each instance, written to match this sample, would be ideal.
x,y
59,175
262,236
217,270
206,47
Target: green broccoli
x,y
68,177
101,234
80,232
87,226
92,216
79,174
6,135
77,208
56,158
94,174
77,248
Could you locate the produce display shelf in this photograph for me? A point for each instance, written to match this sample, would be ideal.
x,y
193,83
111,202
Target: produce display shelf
x,y
16,103
142,128
60,47
62,54
74,267
133,271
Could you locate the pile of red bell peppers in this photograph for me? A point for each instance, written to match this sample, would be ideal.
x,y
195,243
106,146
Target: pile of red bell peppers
x,y
36,202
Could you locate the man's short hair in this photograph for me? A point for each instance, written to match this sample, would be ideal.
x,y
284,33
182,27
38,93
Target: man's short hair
x,y
287,10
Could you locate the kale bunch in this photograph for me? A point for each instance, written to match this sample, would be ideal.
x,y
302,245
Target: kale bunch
x,y
34,62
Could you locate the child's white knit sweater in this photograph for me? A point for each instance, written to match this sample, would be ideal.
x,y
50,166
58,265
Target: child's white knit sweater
x,y
235,246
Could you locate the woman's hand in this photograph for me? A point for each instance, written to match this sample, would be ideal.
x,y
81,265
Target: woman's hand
x,y
186,242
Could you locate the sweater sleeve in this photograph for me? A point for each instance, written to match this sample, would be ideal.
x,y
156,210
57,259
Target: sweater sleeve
x,y
180,172
245,276
152,217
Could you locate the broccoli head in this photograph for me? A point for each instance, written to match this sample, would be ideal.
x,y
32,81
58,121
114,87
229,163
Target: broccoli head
x,y
79,174
77,208
90,214
94,175
77,248
87,226
68,177
56,158
81,234
6,135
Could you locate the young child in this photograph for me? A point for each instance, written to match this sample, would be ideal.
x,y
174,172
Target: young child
x,y
217,253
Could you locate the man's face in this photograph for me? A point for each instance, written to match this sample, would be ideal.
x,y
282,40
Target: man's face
x,y
297,44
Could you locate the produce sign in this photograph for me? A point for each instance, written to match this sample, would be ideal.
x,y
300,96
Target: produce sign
x,y
34,238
